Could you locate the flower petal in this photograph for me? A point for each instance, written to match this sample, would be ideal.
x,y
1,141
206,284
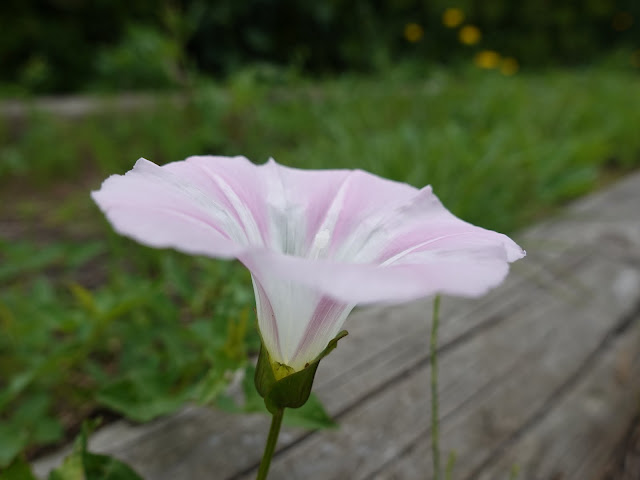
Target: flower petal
x,y
295,322
182,205
314,212
326,321
470,273
406,249
236,185
316,242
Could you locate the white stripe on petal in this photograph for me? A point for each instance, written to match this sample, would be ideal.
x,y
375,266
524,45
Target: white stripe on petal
x,y
414,248
286,218
245,216
322,239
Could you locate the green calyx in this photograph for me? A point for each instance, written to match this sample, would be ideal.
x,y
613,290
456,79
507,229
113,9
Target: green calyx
x,y
281,386
280,370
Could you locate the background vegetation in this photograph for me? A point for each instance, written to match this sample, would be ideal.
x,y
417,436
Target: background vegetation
x,y
508,110
71,45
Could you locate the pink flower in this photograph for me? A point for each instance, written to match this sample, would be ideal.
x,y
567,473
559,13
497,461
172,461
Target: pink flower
x,y
317,242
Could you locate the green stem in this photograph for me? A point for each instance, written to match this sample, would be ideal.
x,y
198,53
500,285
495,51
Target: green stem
x,y
435,424
270,447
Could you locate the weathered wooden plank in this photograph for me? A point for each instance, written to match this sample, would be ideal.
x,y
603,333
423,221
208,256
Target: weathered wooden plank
x,y
508,408
575,439
608,217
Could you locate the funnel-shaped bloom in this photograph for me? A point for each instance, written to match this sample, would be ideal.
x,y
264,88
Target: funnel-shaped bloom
x,y
316,242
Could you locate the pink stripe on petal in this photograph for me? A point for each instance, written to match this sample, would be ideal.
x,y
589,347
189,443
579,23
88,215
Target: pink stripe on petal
x,y
369,195
267,321
236,183
319,329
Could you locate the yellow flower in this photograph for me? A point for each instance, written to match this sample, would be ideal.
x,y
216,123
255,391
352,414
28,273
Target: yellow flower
x,y
469,35
622,21
509,66
487,59
452,17
413,32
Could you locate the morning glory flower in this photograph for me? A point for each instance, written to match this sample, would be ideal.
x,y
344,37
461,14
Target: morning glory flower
x,y
317,242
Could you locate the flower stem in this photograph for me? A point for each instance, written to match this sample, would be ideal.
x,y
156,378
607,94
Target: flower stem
x,y
270,447
435,422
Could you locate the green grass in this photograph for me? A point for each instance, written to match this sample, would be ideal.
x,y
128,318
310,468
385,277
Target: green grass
x,y
464,132
92,321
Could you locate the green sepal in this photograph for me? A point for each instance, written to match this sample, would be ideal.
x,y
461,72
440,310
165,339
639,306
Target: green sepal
x,y
290,391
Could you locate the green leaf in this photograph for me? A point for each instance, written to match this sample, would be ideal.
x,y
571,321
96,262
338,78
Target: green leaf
x,y
103,467
229,357
47,430
16,385
211,386
176,278
253,401
71,469
81,253
235,347
142,396
84,465
12,441
84,297
26,258
18,470
292,390
311,415
32,408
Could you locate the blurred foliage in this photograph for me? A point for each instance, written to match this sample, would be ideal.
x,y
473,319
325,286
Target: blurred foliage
x,y
82,464
174,329
414,123
144,57
71,45
50,45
